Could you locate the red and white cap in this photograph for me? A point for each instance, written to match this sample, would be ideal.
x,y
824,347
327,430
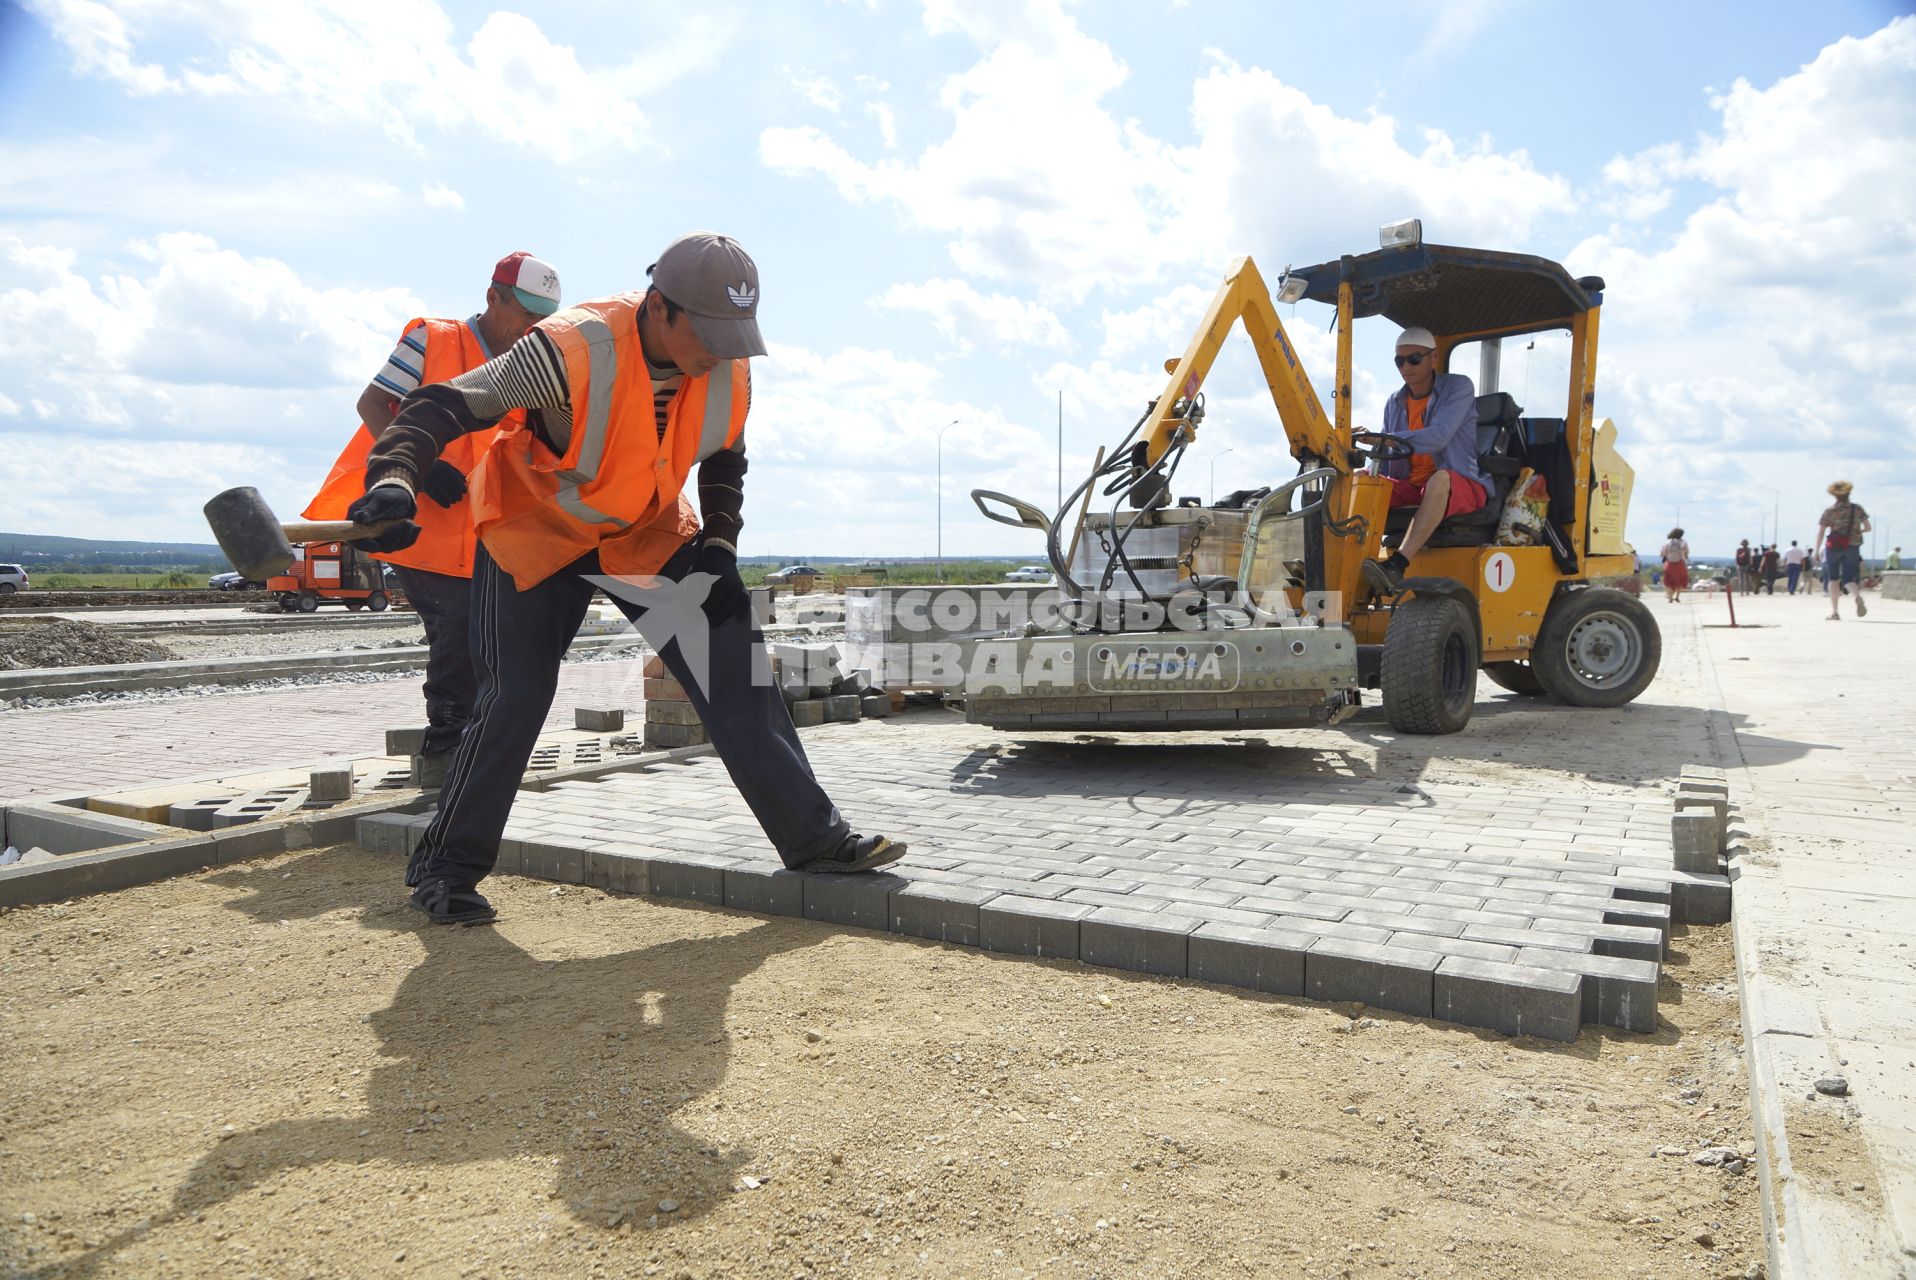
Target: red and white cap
x,y
533,282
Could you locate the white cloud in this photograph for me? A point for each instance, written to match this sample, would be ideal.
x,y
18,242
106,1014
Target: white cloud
x,y
817,90
887,123
1037,181
1761,342
966,317
828,481
437,195
73,190
396,65
197,341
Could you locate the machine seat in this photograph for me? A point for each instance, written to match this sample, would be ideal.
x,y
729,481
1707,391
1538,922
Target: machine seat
x,y
1499,458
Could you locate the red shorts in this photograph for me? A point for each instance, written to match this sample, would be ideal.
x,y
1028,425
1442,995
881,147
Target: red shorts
x,y
1466,495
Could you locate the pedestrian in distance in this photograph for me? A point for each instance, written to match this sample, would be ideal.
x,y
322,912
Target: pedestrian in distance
x,y
433,560
1793,565
1895,562
1839,538
624,397
1676,567
1770,569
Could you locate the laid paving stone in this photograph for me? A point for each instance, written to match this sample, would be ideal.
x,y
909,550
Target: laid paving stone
x,y
1383,977
1340,890
943,912
1031,926
1617,992
1261,959
1141,941
861,901
1516,999
770,891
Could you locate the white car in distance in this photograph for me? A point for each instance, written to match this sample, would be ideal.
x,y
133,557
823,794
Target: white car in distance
x,y
1029,573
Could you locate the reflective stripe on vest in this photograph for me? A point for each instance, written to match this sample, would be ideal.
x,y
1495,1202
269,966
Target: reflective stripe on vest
x,y
716,432
603,359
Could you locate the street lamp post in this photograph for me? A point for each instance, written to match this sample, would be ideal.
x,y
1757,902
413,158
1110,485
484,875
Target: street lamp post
x,y
941,496
1214,458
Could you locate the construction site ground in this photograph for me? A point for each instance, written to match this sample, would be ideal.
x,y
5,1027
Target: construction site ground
x,y
271,1069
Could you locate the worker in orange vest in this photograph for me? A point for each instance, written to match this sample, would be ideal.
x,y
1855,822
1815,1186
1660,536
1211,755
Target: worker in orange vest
x,y
624,397
434,563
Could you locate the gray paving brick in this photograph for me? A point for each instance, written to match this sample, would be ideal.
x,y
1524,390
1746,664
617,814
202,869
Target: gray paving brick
x,y
946,913
1633,942
1617,992
1141,941
1202,911
1261,959
1295,907
1695,842
618,872
1466,947
1405,922
546,860
766,889
1516,999
690,875
1382,977
1700,899
1541,937
1031,926
1413,898
860,901
1334,929
1647,915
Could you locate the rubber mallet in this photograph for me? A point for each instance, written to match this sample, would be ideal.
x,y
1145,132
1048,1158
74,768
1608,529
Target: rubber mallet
x,y
259,545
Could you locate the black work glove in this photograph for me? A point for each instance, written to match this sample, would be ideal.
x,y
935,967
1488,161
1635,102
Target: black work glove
x,y
382,503
444,483
727,597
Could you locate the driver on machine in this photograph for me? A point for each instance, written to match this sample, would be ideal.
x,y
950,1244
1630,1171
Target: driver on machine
x,y
1436,414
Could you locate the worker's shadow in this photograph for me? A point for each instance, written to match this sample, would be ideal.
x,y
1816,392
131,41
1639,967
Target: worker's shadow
x,y
576,1064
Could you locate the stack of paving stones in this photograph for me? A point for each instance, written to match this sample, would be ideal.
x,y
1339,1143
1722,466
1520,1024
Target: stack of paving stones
x,y
1700,846
670,719
1524,913
819,689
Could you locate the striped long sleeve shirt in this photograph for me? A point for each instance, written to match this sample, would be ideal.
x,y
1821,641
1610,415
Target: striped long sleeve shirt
x,y
531,376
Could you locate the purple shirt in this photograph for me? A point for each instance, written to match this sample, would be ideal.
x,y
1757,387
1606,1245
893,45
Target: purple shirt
x,y
1450,427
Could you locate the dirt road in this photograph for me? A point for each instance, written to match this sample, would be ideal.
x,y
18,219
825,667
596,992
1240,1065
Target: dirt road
x,y
271,1070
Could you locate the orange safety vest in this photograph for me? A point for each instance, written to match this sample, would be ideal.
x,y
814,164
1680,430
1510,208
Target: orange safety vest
x,y
445,533
619,488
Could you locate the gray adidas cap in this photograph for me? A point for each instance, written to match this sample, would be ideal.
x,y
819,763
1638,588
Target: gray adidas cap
x,y
717,283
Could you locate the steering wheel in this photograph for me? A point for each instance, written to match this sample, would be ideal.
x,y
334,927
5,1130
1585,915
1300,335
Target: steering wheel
x,y
1380,446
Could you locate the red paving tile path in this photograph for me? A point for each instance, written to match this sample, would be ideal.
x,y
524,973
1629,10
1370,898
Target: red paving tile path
x,y
60,750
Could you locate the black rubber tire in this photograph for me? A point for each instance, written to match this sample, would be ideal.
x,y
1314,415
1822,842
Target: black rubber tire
x,y
1597,648
1429,669
288,603
8,588
308,603
1518,677
377,602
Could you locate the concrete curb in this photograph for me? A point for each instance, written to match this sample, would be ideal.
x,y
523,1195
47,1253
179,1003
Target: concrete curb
x,y
1784,1215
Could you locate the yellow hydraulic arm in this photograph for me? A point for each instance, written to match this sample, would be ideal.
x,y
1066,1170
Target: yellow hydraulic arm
x,y
1315,440
1244,296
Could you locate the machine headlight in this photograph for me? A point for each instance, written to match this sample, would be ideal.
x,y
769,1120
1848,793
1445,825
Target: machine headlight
x,y
1409,232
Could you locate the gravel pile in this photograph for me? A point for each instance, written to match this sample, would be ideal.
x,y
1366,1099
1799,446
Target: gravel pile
x,y
73,644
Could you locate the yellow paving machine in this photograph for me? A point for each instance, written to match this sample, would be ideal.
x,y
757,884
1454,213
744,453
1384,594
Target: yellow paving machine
x,y
1258,611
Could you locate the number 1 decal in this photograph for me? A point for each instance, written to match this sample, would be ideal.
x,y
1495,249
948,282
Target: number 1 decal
x,y
1500,571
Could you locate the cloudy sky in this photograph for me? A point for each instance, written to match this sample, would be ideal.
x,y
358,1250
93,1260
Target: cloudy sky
x,y
216,216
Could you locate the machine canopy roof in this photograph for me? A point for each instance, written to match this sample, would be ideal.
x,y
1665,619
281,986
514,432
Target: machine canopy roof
x,y
1454,291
